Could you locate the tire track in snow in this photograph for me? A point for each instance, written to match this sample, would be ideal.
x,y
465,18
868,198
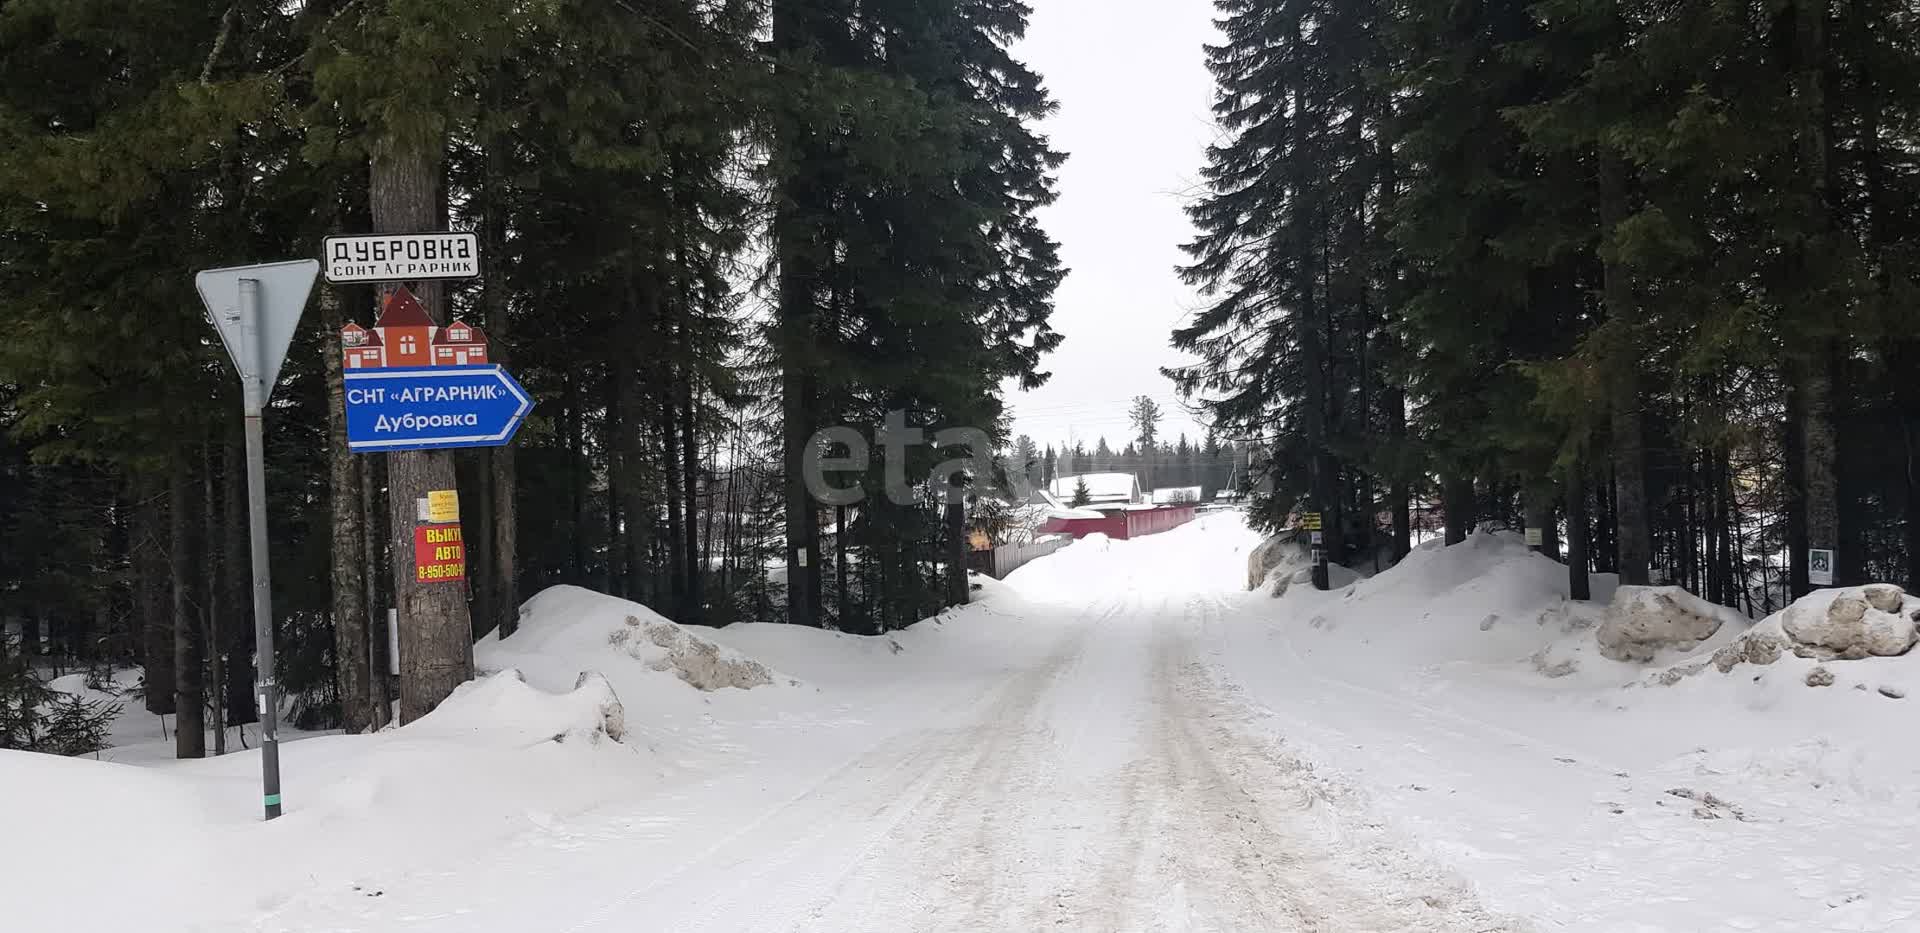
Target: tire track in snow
x,y
1254,813
822,836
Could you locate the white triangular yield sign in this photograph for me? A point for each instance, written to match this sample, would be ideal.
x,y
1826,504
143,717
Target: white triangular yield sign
x,y
258,346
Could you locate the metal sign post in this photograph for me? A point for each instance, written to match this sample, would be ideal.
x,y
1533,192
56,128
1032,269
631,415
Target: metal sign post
x,y
256,309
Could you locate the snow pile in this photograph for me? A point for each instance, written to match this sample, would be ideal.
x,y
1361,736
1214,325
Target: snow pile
x,y
1850,625
504,703
1859,638
566,631
1644,621
498,760
1489,601
1470,703
1281,556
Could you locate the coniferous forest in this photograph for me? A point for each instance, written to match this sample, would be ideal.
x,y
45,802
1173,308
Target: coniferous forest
x,y
708,228
1638,275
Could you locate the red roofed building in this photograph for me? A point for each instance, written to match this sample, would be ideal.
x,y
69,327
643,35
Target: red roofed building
x,y
406,336
459,344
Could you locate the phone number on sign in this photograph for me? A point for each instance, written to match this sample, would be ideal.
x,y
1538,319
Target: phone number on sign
x,y
433,572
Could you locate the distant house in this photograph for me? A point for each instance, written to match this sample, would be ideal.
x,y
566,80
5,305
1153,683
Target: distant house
x,y
406,336
1176,495
1102,488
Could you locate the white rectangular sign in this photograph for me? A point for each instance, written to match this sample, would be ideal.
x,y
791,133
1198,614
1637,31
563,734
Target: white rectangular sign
x,y
1820,566
402,257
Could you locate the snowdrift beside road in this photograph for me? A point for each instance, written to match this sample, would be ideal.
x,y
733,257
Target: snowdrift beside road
x,y
1469,700
566,631
495,760
563,719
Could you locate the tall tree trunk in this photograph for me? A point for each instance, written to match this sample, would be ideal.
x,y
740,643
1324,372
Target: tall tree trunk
x,y
638,476
237,639
575,433
1821,462
1633,523
218,565
1400,493
795,252
1796,484
474,470
1578,584
670,471
436,635
1711,521
958,593
1457,501
841,539
1816,349
189,689
1308,322
1727,566
146,544
695,611
379,636
352,653
1539,515
502,569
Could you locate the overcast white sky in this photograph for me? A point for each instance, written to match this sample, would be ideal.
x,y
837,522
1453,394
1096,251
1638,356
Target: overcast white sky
x,y
1131,81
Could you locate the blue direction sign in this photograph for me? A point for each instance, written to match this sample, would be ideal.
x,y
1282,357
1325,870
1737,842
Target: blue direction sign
x,y
432,407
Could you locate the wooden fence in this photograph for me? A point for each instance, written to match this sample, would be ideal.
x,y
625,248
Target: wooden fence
x,y
1006,558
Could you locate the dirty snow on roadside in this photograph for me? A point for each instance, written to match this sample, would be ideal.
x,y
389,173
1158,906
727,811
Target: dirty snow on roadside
x,y
1118,737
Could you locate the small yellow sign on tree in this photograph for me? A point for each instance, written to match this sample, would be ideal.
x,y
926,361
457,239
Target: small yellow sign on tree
x,y
443,505
1310,521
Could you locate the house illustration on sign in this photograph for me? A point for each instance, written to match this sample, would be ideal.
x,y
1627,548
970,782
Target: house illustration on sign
x,y
406,336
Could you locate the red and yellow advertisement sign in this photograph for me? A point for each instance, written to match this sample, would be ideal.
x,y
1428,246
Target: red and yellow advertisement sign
x,y
439,554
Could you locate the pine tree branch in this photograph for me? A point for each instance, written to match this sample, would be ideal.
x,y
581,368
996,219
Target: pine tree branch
x,y
227,21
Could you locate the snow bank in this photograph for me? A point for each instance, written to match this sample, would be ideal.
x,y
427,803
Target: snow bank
x,y
498,759
1643,622
1467,700
1488,601
504,702
566,631
1839,638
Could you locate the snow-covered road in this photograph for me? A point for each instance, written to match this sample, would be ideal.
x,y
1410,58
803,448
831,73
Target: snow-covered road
x,y
1116,738
1099,779
1101,786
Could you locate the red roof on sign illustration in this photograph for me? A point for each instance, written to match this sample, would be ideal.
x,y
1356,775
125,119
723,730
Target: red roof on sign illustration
x,y
403,310
461,332
406,336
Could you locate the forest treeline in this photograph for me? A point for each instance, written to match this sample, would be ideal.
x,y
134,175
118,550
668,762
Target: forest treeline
x,y
1642,271
708,228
